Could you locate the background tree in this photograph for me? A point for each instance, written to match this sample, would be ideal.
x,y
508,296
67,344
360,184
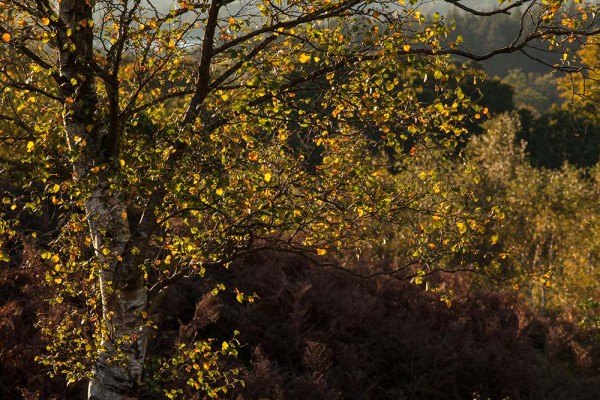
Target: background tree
x,y
187,137
533,90
551,225
579,89
560,137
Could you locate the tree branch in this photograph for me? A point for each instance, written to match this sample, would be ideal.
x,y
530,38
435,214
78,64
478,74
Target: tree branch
x,y
203,72
505,10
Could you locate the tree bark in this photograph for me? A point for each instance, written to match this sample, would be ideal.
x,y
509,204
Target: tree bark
x,y
94,139
119,368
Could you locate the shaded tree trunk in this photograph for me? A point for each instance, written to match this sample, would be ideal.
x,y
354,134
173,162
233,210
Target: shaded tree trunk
x,y
92,132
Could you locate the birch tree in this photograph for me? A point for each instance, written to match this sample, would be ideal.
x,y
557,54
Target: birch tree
x,y
172,138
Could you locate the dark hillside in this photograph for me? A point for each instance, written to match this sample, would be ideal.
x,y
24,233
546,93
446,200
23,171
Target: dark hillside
x,y
335,336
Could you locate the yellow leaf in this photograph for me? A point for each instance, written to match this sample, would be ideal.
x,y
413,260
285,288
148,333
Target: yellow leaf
x,y
321,252
406,48
30,147
304,58
219,192
13,207
253,156
224,346
45,21
95,170
55,258
462,228
122,162
55,188
124,215
144,314
267,176
105,251
58,280
6,37
240,297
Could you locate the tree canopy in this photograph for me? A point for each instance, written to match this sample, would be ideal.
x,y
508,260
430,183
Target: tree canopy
x,y
167,143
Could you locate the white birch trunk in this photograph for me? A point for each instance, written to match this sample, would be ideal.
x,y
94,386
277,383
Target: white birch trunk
x,y
124,299
118,371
